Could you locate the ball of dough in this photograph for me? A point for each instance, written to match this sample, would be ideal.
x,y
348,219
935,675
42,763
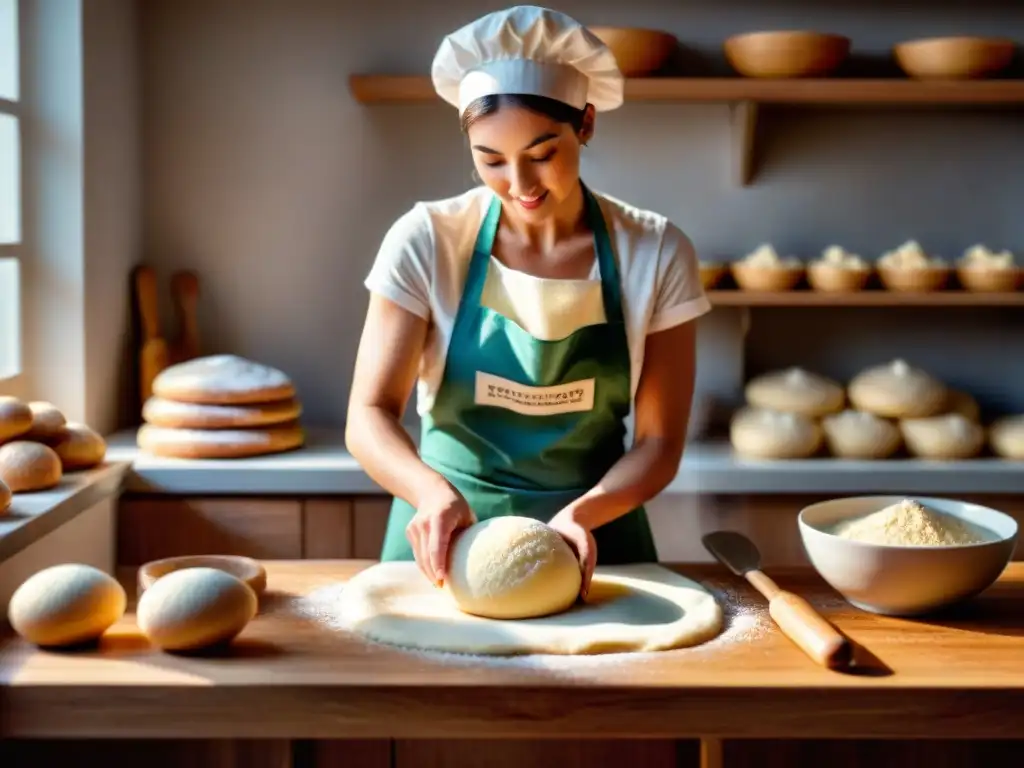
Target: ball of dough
x,y
66,604
949,436
5,497
195,608
176,415
796,390
47,421
512,568
855,434
761,433
26,466
898,391
15,418
1006,437
79,447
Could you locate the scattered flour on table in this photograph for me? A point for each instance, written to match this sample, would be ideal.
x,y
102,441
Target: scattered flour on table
x,y
908,523
745,620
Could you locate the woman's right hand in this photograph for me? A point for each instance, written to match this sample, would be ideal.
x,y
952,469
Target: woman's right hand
x,y
441,513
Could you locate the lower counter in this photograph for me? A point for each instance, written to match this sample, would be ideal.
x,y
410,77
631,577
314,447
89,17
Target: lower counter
x,y
317,698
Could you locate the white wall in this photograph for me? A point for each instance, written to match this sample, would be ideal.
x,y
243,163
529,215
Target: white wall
x,y
264,175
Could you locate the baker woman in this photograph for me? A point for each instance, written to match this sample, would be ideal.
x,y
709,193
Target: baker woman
x,y
531,313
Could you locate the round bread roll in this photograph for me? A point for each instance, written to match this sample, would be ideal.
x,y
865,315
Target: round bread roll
x,y
964,404
897,391
66,605
170,413
854,434
15,418
948,436
512,568
5,497
796,390
47,422
27,466
1006,437
222,380
218,443
195,608
79,446
761,433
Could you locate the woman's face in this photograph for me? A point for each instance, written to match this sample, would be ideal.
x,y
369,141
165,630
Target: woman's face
x,y
529,160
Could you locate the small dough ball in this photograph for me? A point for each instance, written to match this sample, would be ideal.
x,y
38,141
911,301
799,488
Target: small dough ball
x,y
1006,437
15,418
949,436
861,435
66,605
79,446
195,608
47,421
512,568
5,497
761,433
897,391
796,390
964,404
27,466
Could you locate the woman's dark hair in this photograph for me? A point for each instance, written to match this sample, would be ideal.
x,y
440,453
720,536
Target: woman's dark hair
x,y
552,108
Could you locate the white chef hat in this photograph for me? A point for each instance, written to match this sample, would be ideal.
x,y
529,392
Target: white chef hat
x,y
527,50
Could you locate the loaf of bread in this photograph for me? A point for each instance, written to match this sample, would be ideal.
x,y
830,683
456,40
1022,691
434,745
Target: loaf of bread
x,y
79,447
222,380
15,418
176,415
26,466
218,443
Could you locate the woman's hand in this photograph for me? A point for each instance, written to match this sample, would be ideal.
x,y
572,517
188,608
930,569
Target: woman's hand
x,y
583,543
441,513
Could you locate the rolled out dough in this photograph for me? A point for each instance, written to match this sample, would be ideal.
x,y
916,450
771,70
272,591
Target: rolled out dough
x,y
631,608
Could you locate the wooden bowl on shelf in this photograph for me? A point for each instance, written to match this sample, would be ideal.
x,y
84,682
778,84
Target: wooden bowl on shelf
x,y
830,278
245,568
754,277
638,52
915,280
989,280
786,53
954,58
711,274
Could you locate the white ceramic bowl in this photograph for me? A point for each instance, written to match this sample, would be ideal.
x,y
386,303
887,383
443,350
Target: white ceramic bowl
x,y
905,580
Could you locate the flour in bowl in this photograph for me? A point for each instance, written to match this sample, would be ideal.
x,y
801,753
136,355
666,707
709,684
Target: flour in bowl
x,y
908,523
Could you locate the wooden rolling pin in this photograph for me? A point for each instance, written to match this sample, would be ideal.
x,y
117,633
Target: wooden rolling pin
x,y
153,353
185,292
795,616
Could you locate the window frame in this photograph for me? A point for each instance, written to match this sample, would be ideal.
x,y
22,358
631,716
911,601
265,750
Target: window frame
x,y
12,338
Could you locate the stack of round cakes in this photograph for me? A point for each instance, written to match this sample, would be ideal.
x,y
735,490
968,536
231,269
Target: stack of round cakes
x,y
220,407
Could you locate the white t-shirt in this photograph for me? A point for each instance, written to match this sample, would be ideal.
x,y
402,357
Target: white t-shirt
x,y
425,255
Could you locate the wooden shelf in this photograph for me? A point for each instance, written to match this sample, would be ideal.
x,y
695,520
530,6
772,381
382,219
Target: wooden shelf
x,y
369,89
745,95
866,298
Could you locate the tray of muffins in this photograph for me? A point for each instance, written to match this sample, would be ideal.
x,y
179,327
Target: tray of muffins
x,y
890,410
908,268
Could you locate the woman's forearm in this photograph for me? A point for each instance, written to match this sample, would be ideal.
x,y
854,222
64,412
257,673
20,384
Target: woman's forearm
x,y
377,440
641,474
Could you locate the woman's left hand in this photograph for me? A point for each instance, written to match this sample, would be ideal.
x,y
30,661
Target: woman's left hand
x,y
583,543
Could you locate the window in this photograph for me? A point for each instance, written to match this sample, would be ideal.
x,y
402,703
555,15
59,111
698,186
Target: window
x,y
10,191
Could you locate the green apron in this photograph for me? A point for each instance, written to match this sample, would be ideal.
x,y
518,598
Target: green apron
x,y
506,462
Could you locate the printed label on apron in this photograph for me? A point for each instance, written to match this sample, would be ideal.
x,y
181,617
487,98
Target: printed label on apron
x,y
534,401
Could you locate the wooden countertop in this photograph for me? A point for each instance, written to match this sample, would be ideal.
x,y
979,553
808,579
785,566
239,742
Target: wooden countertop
x,y
291,676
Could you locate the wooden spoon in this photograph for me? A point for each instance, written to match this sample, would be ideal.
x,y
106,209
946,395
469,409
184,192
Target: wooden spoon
x,y
153,354
796,617
185,292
